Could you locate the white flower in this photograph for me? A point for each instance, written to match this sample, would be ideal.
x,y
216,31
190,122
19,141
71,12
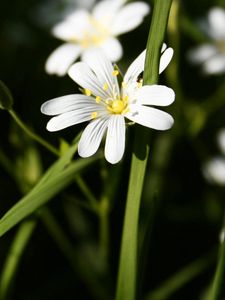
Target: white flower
x,y
107,105
82,31
214,169
212,55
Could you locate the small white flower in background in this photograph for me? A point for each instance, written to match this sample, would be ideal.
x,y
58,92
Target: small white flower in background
x,y
214,169
106,104
211,56
82,31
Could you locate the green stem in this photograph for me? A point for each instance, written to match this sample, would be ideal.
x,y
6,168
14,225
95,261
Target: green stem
x,y
33,135
104,228
55,151
217,290
10,267
87,193
126,284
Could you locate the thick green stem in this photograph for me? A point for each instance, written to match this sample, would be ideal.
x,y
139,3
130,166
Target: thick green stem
x,y
126,284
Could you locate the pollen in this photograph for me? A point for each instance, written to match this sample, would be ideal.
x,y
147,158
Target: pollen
x,y
105,87
87,92
98,99
124,84
94,115
115,73
139,84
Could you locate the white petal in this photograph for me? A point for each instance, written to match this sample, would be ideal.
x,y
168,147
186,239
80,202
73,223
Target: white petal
x,y
74,117
155,95
115,139
82,74
112,48
214,170
135,68
104,11
216,19
200,54
61,59
67,103
129,17
149,117
221,140
165,59
73,27
91,137
215,65
103,69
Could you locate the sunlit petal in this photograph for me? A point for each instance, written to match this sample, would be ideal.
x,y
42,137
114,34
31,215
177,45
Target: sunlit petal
x,y
150,117
91,137
159,95
62,58
129,17
115,139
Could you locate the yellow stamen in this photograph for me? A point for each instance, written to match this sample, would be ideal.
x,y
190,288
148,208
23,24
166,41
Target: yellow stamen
x,y
87,92
124,84
98,99
105,87
94,115
115,73
139,84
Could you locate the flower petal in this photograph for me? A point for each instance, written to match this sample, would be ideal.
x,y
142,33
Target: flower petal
x,y
74,117
104,11
61,59
215,65
135,68
214,170
92,136
73,26
221,140
155,95
129,17
165,59
149,117
115,139
216,19
82,74
112,48
103,69
200,54
66,103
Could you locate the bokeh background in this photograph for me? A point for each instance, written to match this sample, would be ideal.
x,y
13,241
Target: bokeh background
x,y
180,209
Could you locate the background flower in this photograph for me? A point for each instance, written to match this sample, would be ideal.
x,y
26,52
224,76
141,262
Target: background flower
x,y
211,56
83,31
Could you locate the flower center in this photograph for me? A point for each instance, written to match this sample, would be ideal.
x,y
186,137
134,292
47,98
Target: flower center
x,y
94,35
118,106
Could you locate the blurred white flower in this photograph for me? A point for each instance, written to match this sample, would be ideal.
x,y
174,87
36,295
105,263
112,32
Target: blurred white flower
x,y
214,169
211,56
82,31
106,104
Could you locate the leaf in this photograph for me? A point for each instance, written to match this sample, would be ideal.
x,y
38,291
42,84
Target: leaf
x,y
57,177
6,98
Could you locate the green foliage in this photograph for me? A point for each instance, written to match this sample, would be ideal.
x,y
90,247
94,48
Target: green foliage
x,y
6,98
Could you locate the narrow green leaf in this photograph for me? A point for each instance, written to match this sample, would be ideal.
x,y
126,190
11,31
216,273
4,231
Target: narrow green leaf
x,y
57,177
6,98
12,261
